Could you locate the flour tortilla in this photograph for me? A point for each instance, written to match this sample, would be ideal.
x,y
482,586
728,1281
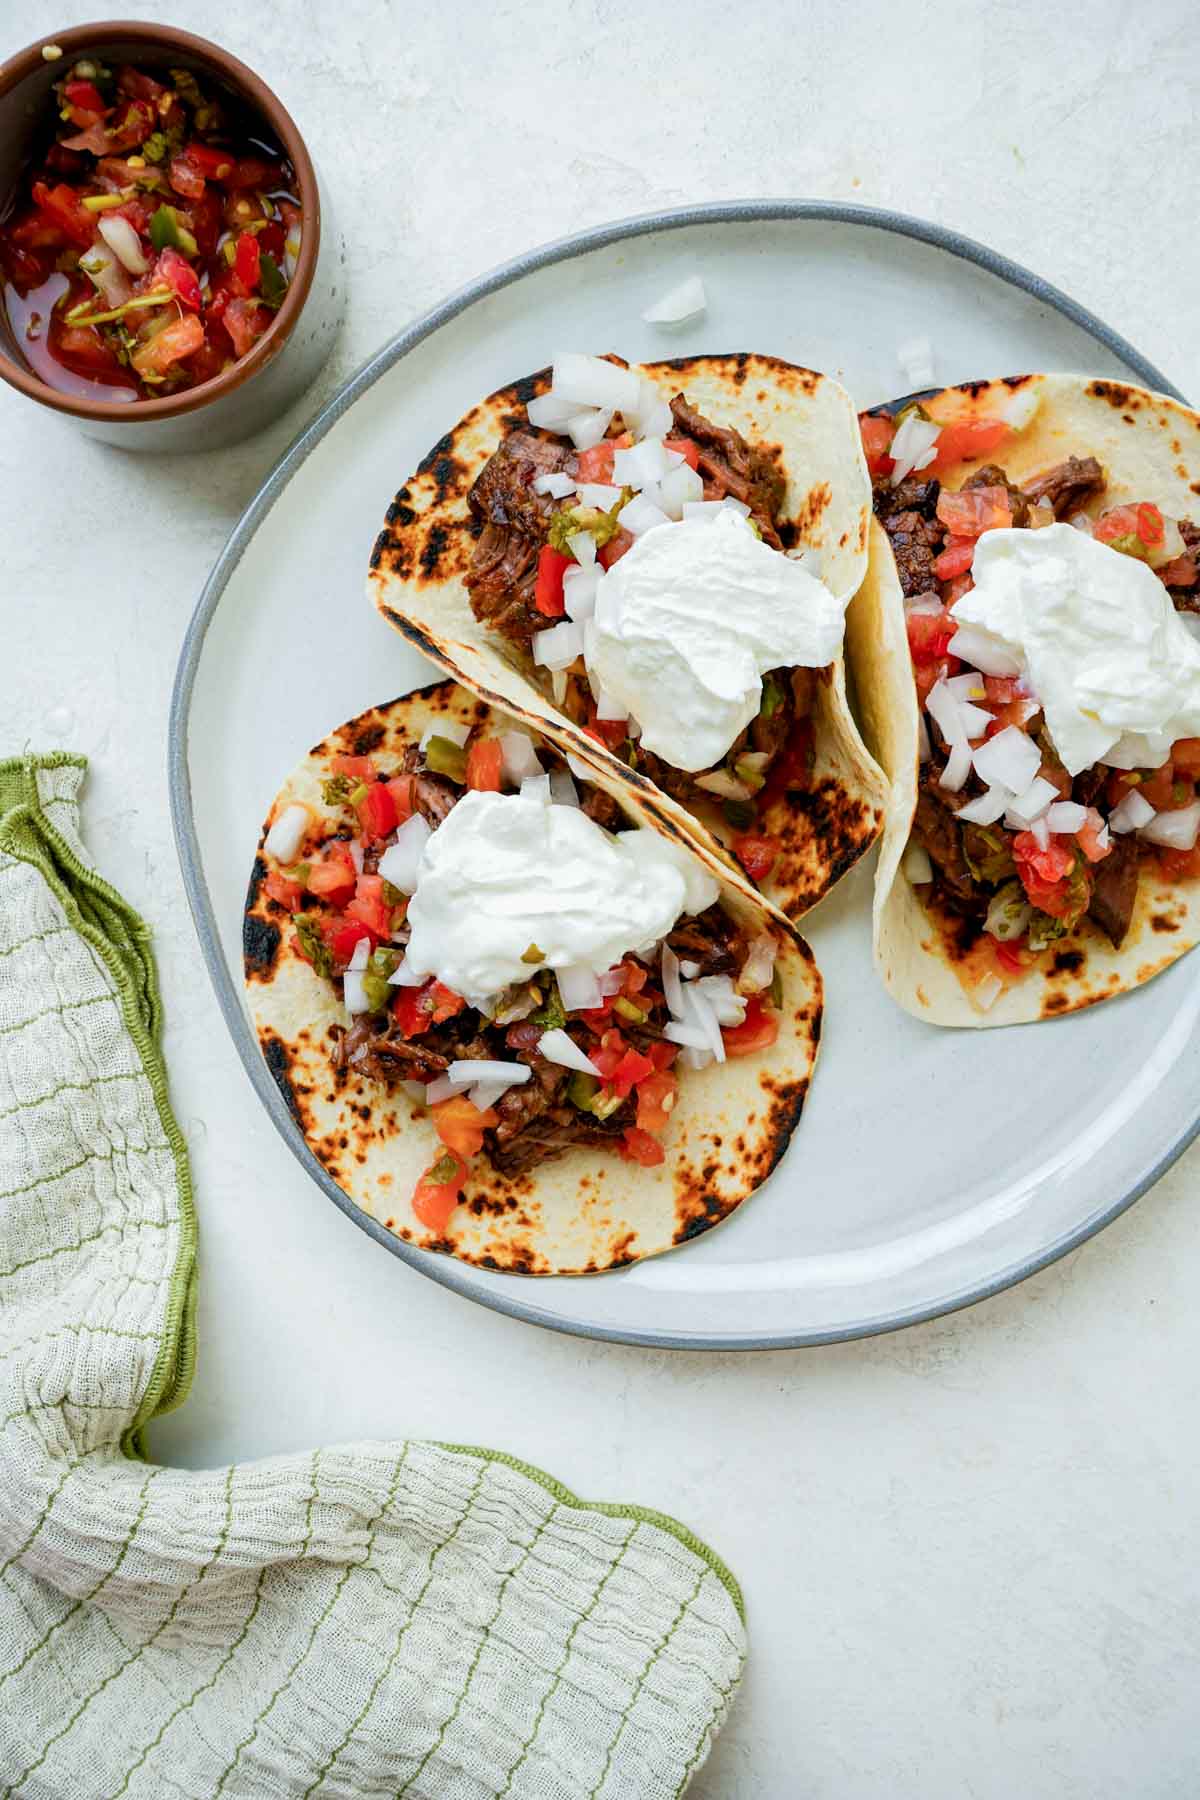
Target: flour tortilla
x,y
589,1210
1149,447
425,549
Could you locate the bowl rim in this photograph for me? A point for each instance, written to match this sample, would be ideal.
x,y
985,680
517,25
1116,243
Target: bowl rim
x,y
249,86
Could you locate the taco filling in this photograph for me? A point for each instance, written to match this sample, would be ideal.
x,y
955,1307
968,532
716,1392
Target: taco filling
x,y
1053,637
636,551
510,950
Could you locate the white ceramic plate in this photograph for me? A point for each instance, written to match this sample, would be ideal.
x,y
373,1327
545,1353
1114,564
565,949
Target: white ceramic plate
x,y
931,1168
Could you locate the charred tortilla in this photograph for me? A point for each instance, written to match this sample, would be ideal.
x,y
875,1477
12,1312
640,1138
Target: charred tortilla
x,y
1148,448
588,1210
805,422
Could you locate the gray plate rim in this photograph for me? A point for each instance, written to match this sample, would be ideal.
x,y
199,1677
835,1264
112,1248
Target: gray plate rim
x,y
511,1299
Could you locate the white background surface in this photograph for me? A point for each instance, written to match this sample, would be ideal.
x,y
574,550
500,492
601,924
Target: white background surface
x,y
968,1550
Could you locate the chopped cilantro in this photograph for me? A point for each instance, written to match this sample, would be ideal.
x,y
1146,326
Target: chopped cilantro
x,y
271,283
312,945
552,1016
336,791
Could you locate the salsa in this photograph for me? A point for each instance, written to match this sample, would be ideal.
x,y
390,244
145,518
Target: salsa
x,y
152,235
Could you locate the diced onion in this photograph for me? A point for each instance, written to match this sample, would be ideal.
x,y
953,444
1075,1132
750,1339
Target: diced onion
x,y
946,711
678,488
562,789
641,515
469,1070
400,860
402,975
446,728
286,835
651,416
687,301
1008,913
927,605
550,412
580,587
557,1047
579,988
536,787
1066,816
729,1007
612,981
1176,830
988,992
415,1091
582,546
913,446
966,687
559,647
556,484
519,757
677,1033
724,784
701,1012
441,1089
987,807
1010,759
610,711
106,274
558,685
983,650
1029,807
644,463
1041,832
360,956
708,509
587,429
672,988
915,357
917,867
579,769
591,381
124,243
354,993
958,767
486,1093
599,494
759,967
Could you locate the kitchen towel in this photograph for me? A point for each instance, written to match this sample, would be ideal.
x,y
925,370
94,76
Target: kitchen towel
x,y
395,1619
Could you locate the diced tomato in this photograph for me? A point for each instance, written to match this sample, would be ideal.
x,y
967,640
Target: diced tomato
x,y
436,1194
1088,837
1180,865
416,1009
962,584
402,789
1154,785
638,1146
1018,712
756,854
1044,873
137,85
246,260
974,511
377,812
656,1097
343,934
82,349
757,1031
662,1054
24,267
608,1057
1180,572
485,765
62,208
955,559
596,463
927,675
1001,690
606,731
548,594
632,1068
877,434
460,1124
333,876
354,768
160,352
615,549
1185,758
284,891
208,361
524,1035
272,241
634,977
246,321
1010,955
791,771
370,907
204,212
929,635
685,447
252,172
1151,527
64,161
1142,522
212,164
965,440
178,274
84,95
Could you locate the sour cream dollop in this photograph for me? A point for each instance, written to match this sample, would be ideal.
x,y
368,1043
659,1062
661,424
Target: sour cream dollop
x,y
1100,642
688,622
503,873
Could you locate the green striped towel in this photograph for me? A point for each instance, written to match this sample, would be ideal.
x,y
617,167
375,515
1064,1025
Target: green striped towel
x,y
378,1619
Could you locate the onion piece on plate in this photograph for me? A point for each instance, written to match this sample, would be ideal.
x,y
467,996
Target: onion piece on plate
x,y
679,305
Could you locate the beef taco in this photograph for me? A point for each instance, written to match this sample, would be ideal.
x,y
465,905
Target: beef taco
x,y
657,561
517,1016
1025,650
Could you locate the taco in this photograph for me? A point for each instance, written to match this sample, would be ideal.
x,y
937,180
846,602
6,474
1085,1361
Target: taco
x,y
1025,651
517,1016
657,561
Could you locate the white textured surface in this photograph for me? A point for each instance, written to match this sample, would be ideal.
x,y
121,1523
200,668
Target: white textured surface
x,y
968,1550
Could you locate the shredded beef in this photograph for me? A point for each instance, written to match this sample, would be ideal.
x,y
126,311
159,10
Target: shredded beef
x,y
729,465
916,541
1069,485
503,570
602,808
913,495
937,830
1088,784
434,797
991,476
707,939
1114,888
370,1049
556,1129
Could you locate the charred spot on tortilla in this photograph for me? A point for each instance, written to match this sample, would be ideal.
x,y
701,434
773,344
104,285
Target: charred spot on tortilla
x,y
1118,396
363,741
1067,962
818,498
1165,922
260,945
278,1060
258,875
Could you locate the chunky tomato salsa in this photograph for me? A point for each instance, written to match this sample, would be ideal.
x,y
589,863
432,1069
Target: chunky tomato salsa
x,y
151,237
